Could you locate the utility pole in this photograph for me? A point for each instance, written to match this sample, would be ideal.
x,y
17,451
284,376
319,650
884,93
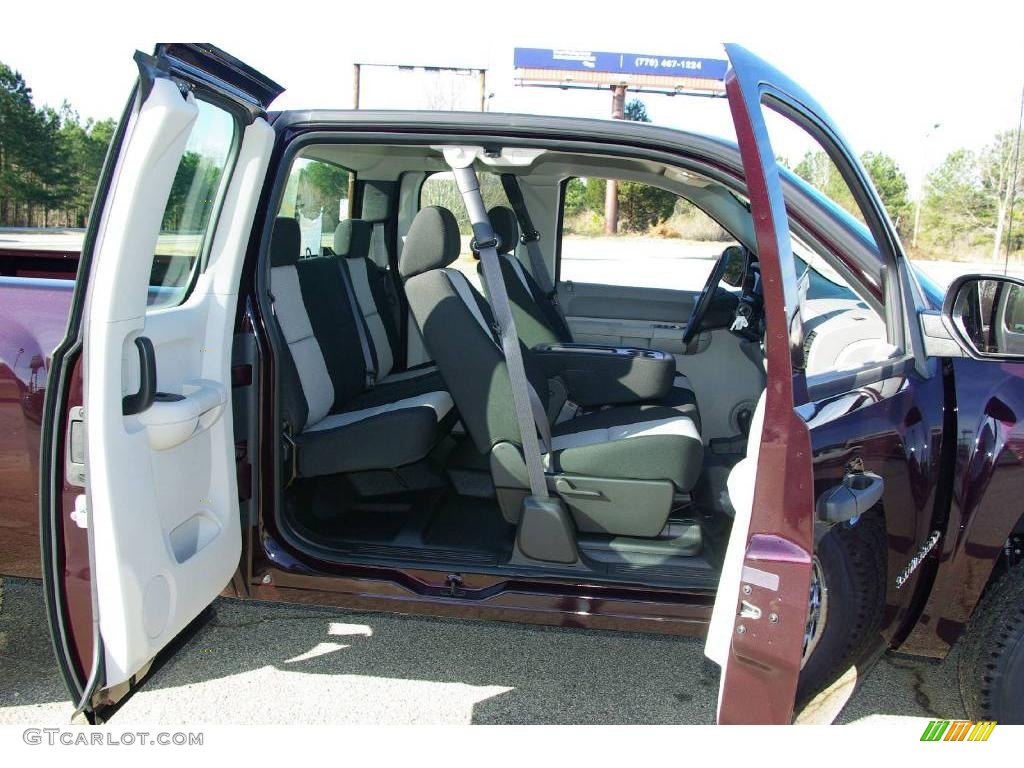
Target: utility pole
x,y
611,192
483,90
355,105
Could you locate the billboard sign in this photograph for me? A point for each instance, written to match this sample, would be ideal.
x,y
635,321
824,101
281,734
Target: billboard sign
x,y
566,60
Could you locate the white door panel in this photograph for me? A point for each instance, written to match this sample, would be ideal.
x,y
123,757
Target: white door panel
x,y
162,488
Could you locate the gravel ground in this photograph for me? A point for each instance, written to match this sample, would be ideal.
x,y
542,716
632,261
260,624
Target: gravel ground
x,y
265,663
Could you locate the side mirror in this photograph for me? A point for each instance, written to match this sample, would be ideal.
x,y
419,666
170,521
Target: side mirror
x,y
735,266
985,314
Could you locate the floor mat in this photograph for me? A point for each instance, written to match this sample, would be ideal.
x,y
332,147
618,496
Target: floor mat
x,y
465,523
329,509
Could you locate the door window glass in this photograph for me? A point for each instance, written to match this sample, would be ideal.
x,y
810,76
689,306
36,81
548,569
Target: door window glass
x,y
842,331
660,239
195,192
440,189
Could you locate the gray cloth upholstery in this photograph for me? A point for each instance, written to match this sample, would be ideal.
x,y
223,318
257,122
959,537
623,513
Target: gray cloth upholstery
x,y
383,437
336,423
433,242
374,290
470,361
539,322
503,221
636,442
683,400
285,242
352,238
642,442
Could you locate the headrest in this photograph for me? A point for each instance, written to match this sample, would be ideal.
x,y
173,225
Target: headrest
x,y
505,226
352,238
285,242
432,242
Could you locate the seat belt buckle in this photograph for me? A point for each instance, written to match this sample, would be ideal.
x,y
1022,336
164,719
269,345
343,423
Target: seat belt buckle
x,y
567,412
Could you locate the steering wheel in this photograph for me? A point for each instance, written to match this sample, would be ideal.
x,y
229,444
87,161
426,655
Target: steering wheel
x,y
707,295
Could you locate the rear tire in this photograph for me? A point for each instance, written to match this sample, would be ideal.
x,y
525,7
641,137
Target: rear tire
x,y
853,566
991,668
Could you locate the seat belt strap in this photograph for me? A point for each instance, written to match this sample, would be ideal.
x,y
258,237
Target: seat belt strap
x,y
369,359
530,414
529,236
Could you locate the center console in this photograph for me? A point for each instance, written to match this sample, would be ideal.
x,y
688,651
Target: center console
x,y
606,375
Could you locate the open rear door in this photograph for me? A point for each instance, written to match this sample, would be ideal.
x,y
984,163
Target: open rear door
x,y
137,463
760,615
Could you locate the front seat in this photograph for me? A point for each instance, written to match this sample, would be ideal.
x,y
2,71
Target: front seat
x,y
618,470
538,319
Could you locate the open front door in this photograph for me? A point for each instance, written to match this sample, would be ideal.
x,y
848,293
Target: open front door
x,y
143,463
760,616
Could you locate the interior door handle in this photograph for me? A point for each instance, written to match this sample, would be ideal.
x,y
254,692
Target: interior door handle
x,y
858,493
141,400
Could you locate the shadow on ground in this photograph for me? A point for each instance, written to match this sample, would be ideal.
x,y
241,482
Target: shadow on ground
x,y
270,663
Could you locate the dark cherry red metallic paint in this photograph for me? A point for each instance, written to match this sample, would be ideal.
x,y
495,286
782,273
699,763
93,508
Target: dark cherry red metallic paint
x,y
35,312
987,498
900,432
33,315
763,667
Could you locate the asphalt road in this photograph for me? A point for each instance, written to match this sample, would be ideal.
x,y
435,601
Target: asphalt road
x,y
258,663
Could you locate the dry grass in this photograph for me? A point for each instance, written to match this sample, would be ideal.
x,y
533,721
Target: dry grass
x,y
679,226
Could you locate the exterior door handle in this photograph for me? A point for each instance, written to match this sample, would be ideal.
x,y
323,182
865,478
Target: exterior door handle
x,y
858,493
141,400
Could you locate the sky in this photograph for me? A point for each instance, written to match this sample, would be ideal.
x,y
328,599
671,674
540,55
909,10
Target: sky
x,y
887,72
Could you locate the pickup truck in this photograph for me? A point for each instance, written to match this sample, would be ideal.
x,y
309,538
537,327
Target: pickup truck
x,y
812,459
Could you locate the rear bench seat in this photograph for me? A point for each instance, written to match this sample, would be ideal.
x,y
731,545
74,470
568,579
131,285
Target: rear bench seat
x,y
340,412
375,297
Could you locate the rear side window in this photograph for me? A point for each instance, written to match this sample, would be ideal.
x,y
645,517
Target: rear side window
x,y
316,194
195,194
441,189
